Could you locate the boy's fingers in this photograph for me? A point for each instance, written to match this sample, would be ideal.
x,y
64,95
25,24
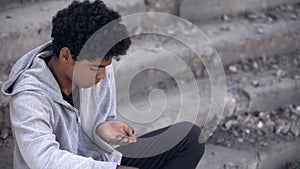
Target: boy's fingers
x,y
132,140
132,130
124,140
129,131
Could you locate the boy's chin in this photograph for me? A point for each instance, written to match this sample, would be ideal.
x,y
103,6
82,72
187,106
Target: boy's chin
x,y
88,85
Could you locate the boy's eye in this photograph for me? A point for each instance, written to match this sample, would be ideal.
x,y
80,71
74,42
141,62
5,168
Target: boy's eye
x,y
94,68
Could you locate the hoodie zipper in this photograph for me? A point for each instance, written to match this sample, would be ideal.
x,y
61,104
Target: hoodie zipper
x,y
75,110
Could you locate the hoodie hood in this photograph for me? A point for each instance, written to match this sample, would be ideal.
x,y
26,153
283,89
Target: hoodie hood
x,y
30,74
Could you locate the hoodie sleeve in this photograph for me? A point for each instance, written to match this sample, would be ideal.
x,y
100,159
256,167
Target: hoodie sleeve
x,y
30,118
112,89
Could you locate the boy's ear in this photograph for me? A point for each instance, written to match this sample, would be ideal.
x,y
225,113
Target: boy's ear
x,y
65,55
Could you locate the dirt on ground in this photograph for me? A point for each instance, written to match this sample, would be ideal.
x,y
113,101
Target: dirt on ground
x,y
241,131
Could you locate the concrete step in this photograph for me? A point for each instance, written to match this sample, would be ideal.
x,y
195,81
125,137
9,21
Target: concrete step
x,y
203,11
219,157
241,42
4,4
6,156
275,157
272,92
278,155
261,92
24,27
181,102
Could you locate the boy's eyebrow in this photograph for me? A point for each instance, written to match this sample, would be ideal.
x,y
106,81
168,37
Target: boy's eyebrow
x,y
100,66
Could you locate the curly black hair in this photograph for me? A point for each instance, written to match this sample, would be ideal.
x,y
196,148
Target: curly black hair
x,y
74,25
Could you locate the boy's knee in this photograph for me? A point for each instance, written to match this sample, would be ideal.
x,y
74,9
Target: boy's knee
x,y
193,130
192,139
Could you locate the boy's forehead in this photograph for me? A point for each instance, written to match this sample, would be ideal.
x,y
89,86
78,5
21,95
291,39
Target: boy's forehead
x,y
101,60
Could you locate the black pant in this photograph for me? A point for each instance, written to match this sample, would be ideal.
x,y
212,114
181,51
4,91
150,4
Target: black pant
x,y
179,146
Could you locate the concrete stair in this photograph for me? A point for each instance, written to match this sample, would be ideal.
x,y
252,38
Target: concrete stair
x,y
206,11
218,157
28,25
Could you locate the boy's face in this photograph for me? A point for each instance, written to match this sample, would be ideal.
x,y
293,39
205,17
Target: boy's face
x,y
89,73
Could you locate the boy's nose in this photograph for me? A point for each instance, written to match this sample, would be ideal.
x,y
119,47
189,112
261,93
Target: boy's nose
x,y
101,73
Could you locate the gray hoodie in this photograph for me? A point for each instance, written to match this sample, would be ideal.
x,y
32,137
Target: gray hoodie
x,y
48,131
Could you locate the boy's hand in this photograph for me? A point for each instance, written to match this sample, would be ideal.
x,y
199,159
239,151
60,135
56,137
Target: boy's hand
x,y
116,133
121,127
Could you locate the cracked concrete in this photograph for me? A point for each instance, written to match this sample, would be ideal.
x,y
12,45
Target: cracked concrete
x,y
22,29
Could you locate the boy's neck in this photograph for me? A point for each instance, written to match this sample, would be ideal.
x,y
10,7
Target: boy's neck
x,y
58,71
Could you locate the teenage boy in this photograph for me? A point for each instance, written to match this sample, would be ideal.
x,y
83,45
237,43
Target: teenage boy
x,y
46,114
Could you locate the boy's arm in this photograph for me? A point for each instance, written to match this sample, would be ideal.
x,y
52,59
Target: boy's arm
x,y
113,104
30,118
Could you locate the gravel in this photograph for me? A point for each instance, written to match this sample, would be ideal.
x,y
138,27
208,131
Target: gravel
x,y
293,165
258,129
283,12
261,64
